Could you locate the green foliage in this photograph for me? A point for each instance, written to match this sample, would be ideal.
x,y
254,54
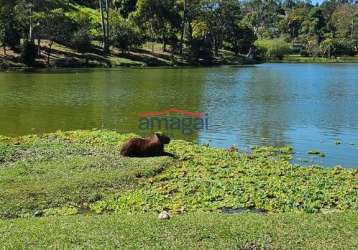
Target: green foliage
x,y
328,47
28,53
81,40
201,49
241,38
68,177
346,46
52,25
63,173
158,18
2,33
192,231
274,49
88,17
124,35
125,7
206,27
82,37
11,25
293,23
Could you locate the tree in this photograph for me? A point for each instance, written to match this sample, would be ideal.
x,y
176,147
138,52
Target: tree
x,y
82,36
158,18
344,21
293,22
28,53
125,7
275,48
241,38
2,38
104,10
265,16
51,27
317,24
328,47
183,23
124,34
8,17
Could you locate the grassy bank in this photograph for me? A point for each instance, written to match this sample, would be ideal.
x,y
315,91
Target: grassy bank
x,y
194,231
86,193
307,59
150,54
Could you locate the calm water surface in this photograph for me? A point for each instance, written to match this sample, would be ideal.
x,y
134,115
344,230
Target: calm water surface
x,y
308,106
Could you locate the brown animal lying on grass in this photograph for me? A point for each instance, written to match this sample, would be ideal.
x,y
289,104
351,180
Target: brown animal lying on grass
x,y
148,147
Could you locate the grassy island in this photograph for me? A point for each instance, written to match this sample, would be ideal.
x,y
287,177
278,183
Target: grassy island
x,y
73,189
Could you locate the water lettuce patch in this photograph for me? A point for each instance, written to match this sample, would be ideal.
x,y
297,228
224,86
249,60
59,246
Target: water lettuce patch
x,y
82,172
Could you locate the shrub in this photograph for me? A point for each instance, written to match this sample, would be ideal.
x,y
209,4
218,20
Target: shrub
x,y
125,35
28,53
272,48
345,46
201,49
81,40
328,47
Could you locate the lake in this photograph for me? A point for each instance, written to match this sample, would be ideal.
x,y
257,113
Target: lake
x,y
308,106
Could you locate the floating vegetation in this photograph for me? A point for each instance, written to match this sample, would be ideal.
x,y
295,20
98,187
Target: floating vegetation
x,y
316,152
66,172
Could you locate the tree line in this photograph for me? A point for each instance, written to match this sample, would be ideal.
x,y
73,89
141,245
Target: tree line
x,y
195,29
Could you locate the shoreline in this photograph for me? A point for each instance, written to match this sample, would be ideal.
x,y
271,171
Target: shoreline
x,y
84,66
316,60
304,60
63,57
79,150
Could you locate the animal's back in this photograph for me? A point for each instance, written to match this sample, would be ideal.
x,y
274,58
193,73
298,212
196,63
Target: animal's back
x,y
139,147
133,147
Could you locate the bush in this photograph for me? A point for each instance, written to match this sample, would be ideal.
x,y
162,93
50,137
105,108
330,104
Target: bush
x,y
345,47
81,40
201,50
28,53
273,48
328,47
124,35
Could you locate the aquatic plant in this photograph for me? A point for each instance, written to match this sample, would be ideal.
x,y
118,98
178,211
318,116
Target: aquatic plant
x,y
82,171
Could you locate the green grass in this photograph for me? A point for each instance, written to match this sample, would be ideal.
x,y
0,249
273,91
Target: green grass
x,y
193,231
304,59
83,171
62,170
115,200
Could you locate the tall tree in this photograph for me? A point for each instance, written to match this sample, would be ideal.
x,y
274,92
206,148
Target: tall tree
x,y
52,25
104,10
184,17
2,38
8,17
158,18
125,7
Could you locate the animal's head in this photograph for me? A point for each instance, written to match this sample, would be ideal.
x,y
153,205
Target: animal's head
x,y
162,138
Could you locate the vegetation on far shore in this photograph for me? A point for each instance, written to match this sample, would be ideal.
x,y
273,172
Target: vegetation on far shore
x,y
76,187
150,54
105,33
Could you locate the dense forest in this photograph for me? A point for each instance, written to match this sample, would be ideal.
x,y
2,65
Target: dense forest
x,y
193,29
